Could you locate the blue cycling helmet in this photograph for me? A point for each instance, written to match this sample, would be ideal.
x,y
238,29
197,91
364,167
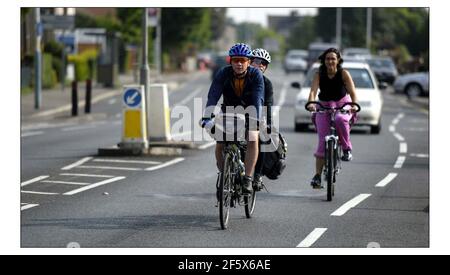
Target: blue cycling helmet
x,y
240,49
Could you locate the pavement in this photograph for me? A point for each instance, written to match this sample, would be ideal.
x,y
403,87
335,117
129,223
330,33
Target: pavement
x,y
56,103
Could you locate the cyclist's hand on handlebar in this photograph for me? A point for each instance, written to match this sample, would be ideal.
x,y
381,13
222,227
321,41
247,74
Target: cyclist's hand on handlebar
x,y
206,123
312,108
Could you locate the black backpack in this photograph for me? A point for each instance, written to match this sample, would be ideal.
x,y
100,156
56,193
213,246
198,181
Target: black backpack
x,y
275,161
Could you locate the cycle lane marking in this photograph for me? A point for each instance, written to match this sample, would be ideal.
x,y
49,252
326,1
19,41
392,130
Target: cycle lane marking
x,y
390,177
36,179
82,189
75,164
168,163
28,206
350,204
399,163
312,237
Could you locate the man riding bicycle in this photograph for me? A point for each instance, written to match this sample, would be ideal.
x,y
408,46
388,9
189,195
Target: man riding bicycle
x,y
241,85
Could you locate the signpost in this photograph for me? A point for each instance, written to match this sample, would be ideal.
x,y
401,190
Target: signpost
x,y
134,133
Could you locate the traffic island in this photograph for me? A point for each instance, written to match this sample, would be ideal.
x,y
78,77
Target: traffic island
x,y
118,151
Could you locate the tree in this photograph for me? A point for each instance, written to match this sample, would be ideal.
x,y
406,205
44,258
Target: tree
x,y
303,33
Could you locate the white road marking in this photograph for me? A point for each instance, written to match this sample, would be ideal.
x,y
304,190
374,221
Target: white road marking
x,y
78,163
29,134
189,97
66,182
165,164
76,128
110,168
392,128
350,204
399,137
386,180
403,148
112,101
86,175
207,145
38,193
76,191
312,237
127,161
420,155
33,180
28,206
276,108
399,163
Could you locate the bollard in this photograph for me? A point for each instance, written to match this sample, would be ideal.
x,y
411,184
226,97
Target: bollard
x,y
74,98
87,106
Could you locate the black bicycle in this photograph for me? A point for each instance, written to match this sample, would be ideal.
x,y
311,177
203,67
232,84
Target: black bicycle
x,y
333,149
229,182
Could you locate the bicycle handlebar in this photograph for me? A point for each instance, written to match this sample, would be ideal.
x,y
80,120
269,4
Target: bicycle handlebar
x,y
331,108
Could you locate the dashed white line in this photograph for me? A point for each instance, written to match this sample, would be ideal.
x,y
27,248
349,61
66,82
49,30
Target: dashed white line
x,y
76,191
78,163
189,97
110,168
392,128
399,163
38,193
207,145
165,164
65,182
403,148
127,161
350,204
420,155
33,180
312,237
29,134
86,175
399,137
28,206
386,180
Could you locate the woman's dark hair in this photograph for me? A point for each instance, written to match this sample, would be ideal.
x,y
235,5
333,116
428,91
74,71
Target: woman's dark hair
x,y
322,67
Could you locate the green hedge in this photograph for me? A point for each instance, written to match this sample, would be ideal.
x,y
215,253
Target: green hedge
x,y
84,64
49,78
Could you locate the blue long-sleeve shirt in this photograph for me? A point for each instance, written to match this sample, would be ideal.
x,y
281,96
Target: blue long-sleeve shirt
x,y
252,95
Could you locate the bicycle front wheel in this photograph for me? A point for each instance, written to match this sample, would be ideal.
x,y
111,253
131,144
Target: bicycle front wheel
x,y
250,202
330,168
225,191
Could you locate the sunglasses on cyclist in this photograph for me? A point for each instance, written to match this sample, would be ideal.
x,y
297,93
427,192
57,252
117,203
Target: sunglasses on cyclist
x,y
239,59
258,61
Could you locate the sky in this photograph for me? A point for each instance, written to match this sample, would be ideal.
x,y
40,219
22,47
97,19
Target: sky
x,y
259,15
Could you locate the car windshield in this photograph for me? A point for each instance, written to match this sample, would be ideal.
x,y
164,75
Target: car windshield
x,y
381,63
361,78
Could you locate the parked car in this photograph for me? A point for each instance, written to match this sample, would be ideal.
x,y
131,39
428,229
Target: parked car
x,y
316,49
384,68
295,60
369,97
414,84
357,52
219,60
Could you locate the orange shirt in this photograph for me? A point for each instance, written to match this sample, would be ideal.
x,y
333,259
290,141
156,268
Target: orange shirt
x,y
239,84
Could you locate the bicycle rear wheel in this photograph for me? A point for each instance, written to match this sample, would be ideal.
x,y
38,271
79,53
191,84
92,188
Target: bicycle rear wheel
x,y
225,191
250,202
330,169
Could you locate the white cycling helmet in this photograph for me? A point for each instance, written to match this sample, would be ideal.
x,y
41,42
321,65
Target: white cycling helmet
x,y
261,53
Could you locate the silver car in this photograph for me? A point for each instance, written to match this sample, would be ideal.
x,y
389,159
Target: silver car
x,y
369,97
414,84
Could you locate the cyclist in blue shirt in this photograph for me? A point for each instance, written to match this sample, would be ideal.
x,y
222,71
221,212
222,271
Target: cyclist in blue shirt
x,y
240,85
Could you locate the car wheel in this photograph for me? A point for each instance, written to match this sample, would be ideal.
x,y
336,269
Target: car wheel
x,y
376,129
300,127
413,90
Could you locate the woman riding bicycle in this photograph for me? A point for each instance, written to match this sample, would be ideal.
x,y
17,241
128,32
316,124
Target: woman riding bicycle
x,y
336,88
261,59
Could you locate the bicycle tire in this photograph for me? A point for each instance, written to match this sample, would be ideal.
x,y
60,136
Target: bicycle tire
x,y
225,191
330,168
250,202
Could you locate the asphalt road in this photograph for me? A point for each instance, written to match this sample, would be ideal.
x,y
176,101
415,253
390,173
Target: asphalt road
x,y
72,197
